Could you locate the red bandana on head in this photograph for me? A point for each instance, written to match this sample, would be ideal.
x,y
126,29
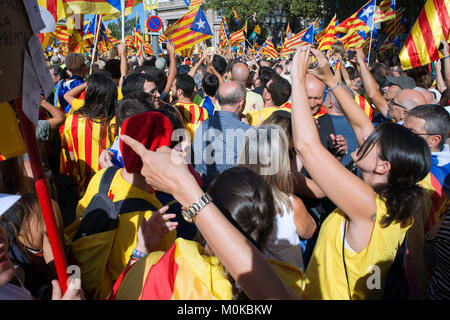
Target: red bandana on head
x,y
152,128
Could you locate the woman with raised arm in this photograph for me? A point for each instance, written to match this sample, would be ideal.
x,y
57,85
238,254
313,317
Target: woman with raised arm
x,y
167,171
359,239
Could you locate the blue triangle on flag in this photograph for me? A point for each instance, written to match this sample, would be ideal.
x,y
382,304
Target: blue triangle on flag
x,y
200,24
309,35
115,4
366,14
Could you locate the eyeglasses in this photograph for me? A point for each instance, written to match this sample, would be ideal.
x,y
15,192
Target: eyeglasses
x,y
390,102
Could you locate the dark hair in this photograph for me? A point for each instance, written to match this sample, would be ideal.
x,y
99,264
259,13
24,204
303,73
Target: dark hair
x,y
186,83
422,77
101,98
150,62
134,83
445,98
159,77
352,73
437,120
220,64
59,71
112,66
246,200
265,74
280,89
410,160
133,105
210,84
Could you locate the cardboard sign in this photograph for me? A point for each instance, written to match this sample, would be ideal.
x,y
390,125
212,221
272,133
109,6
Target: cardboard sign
x,y
15,31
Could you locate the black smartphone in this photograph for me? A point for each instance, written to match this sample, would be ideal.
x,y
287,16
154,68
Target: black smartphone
x,y
164,45
441,46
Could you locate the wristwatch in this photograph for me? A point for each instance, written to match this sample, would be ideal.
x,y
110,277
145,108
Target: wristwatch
x,y
190,213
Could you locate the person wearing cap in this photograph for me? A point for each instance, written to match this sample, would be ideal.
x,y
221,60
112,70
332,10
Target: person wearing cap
x,y
76,64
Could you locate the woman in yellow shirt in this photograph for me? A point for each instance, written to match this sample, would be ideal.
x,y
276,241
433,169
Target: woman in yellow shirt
x,y
375,210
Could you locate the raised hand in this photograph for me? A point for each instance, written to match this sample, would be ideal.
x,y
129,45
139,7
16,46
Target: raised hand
x,y
151,232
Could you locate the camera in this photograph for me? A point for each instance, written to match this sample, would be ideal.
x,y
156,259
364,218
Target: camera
x,y
164,45
441,46
313,64
350,54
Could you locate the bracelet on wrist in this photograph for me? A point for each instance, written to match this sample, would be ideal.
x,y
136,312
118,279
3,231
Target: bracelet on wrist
x,y
445,57
335,87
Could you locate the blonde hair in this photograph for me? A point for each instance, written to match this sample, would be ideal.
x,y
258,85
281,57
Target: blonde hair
x,y
265,151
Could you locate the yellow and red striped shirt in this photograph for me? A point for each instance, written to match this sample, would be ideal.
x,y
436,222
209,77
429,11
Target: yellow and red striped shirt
x,y
193,116
86,139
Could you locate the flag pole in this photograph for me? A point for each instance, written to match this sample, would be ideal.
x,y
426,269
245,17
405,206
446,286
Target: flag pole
x,y
122,7
371,34
40,183
99,21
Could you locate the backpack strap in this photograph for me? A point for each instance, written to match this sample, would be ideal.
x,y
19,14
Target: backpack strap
x,y
133,204
107,178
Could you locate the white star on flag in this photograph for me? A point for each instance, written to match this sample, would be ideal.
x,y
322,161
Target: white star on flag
x,y
200,24
368,11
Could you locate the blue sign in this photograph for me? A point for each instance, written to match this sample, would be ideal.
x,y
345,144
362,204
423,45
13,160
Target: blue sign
x,y
154,24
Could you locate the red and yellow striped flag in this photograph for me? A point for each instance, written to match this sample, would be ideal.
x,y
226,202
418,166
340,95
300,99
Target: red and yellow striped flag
x,y
61,33
394,27
11,141
384,12
352,40
189,30
268,49
195,3
293,42
185,272
328,37
432,27
238,37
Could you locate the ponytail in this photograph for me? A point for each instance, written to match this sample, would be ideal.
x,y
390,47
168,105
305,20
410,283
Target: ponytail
x,y
410,159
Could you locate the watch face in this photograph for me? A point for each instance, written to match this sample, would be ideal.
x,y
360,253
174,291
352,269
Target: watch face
x,y
186,216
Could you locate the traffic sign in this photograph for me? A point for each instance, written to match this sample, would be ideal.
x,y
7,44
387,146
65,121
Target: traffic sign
x,y
154,24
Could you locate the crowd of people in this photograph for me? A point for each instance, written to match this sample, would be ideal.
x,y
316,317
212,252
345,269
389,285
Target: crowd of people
x,y
224,176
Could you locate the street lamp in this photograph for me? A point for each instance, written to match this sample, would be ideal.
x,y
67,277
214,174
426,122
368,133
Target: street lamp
x,y
276,23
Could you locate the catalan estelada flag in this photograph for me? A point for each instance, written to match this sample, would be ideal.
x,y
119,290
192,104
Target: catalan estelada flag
x,y
361,20
328,37
191,29
268,49
186,272
54,7
193,3
432,27
11,141
302,38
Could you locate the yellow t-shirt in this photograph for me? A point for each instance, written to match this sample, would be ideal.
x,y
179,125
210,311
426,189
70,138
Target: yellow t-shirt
x,y
325,274
125,237
256,117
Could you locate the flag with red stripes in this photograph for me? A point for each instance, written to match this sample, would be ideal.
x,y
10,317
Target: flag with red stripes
x,y
395,27
432,27
384,12
328,38
189,30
